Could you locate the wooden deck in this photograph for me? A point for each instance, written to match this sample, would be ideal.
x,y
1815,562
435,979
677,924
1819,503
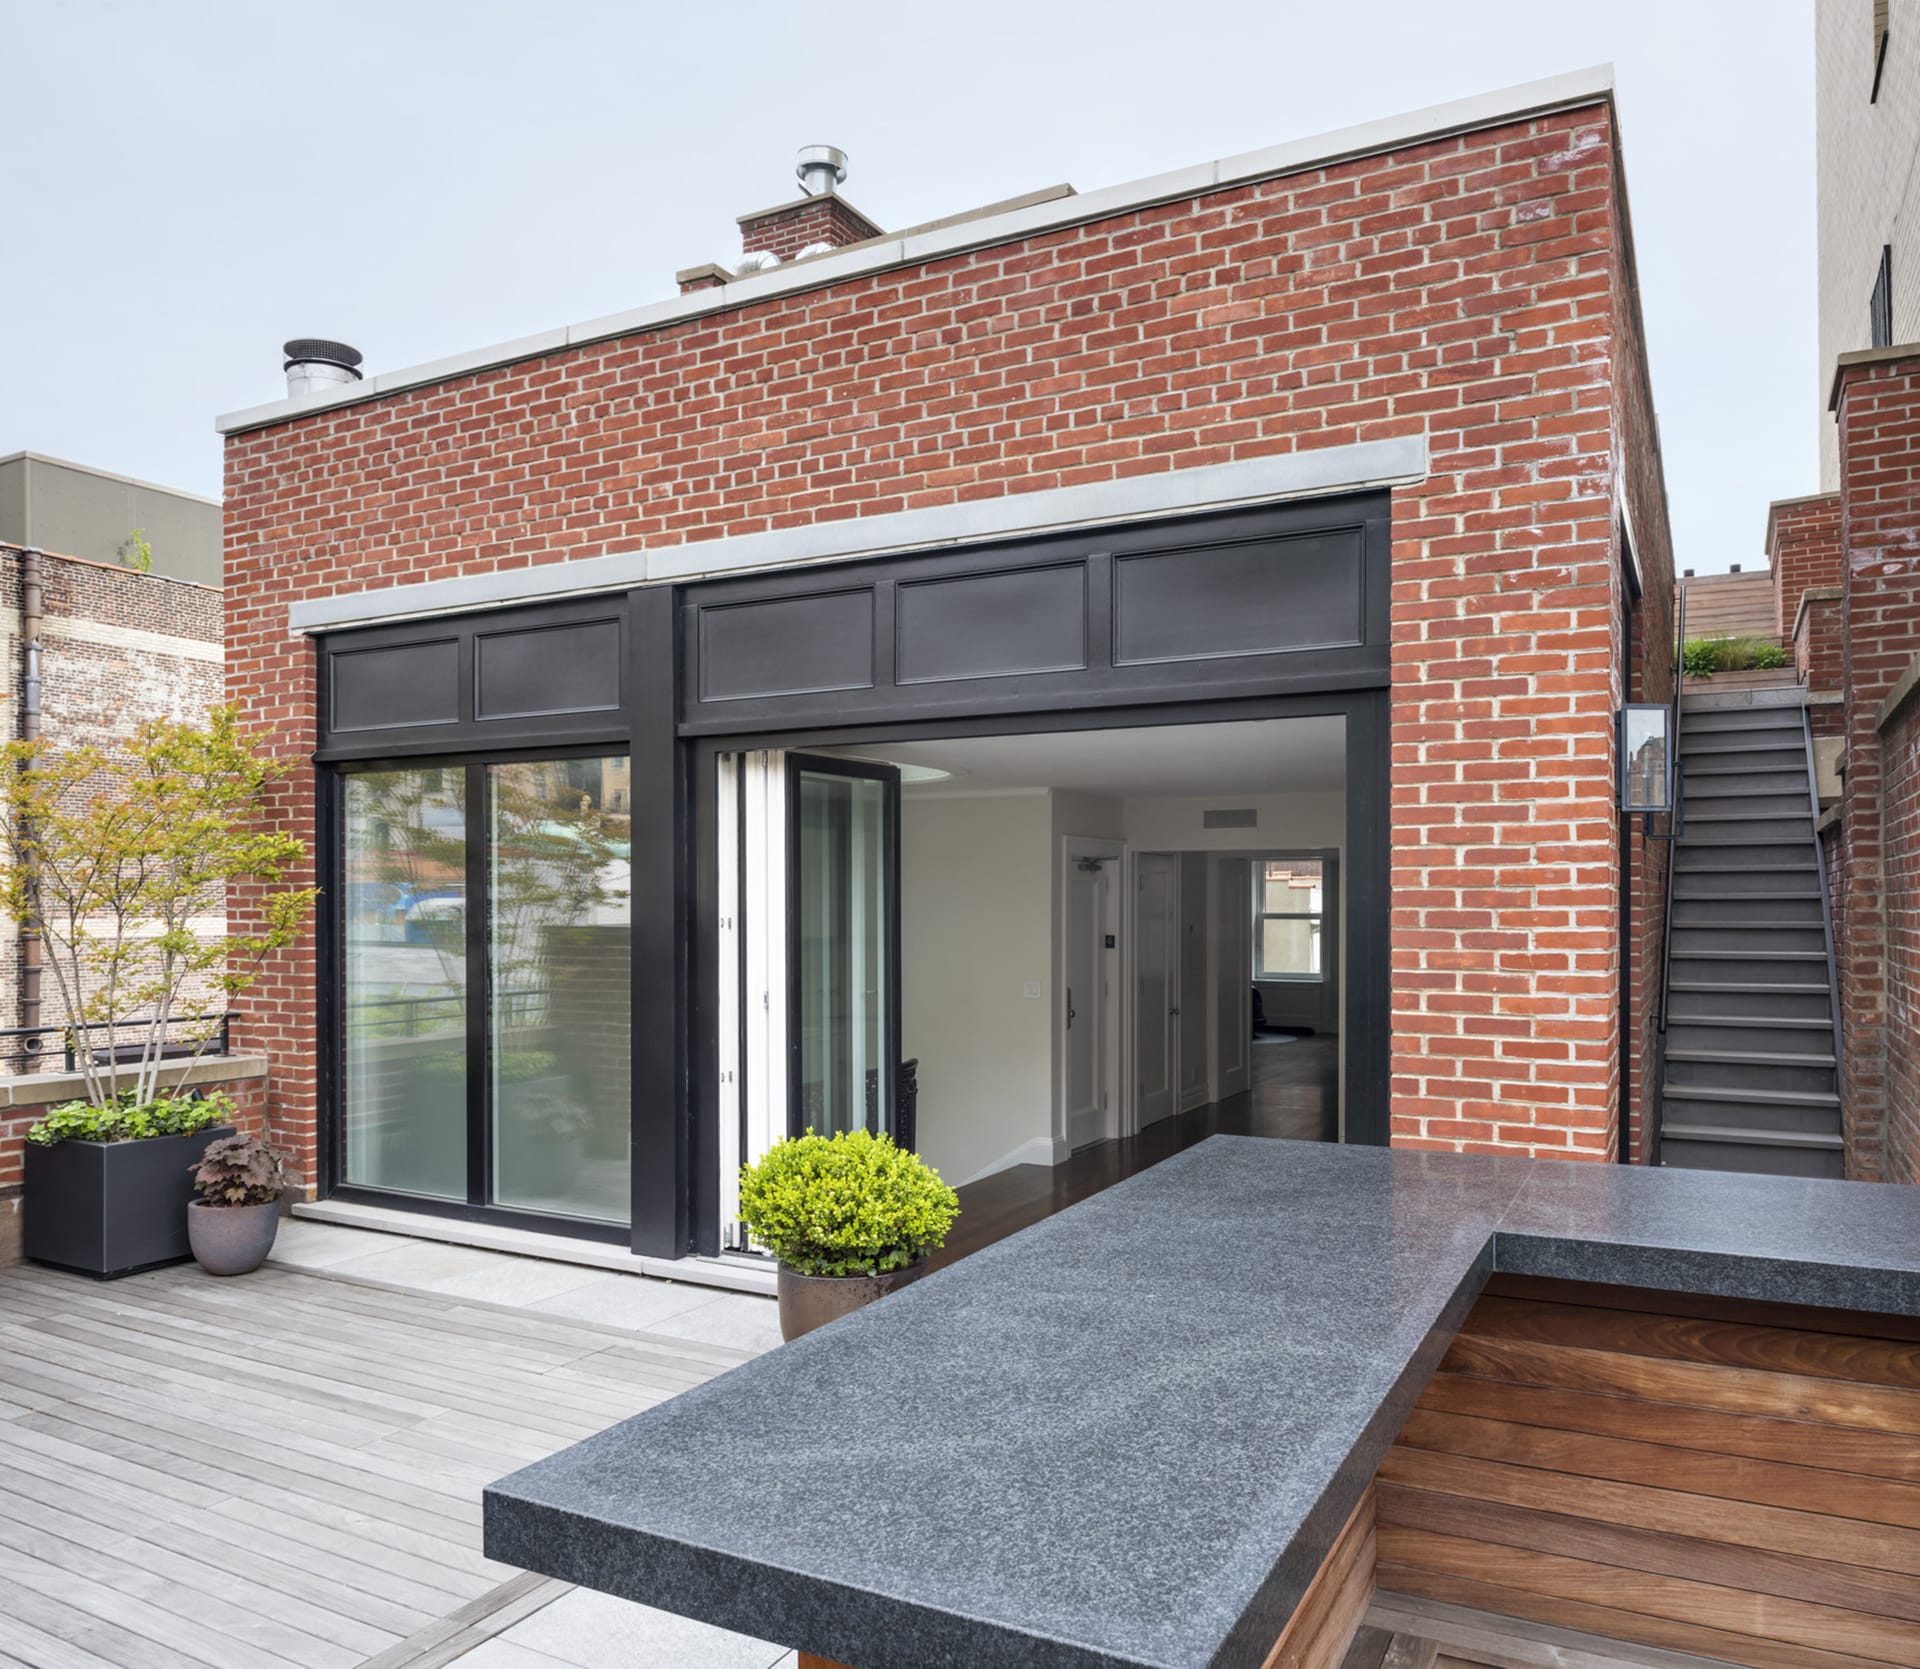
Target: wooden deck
x,y
283,1470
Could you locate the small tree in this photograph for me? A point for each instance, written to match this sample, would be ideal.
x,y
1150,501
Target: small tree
x,y
121,860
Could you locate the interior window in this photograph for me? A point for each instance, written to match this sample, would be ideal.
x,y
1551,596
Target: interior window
x,y
1288,912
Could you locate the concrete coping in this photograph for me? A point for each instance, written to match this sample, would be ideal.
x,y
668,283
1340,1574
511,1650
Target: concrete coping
x,y
1867,356
1897,696
1814,594
960,234
1828,819
47,1089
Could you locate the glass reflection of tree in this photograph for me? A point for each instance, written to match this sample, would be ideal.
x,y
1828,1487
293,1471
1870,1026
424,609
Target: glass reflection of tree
x,y
558,860
401,837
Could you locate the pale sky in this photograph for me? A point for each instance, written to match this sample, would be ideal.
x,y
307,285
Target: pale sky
x,y
186,185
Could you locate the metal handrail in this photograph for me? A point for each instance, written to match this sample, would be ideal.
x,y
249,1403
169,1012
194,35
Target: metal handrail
x,y
1676,827
1826,902
66,1034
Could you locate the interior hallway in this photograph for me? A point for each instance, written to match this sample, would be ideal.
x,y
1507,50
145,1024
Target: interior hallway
x,y
1295,1093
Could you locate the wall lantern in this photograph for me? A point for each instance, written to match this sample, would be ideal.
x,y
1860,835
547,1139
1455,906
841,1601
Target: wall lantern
x,y
1646,758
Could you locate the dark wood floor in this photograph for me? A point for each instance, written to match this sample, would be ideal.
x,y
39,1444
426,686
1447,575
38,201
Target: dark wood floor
x,y
1295,1093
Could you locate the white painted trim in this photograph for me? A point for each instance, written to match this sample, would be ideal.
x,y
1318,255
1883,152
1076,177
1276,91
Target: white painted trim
x,y
1533,98
1321,470
1036,1150
735,1274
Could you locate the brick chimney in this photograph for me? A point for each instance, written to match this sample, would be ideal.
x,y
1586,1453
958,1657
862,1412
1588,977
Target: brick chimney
x,y
819,218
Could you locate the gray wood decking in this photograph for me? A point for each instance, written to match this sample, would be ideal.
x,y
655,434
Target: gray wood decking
x,y
283,1470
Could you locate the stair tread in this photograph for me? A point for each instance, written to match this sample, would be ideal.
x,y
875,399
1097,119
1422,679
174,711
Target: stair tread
x,y
1750,955
1744,897
1758,988
1760,1022
1749,1138
1747,1057
1747,926
1760,1097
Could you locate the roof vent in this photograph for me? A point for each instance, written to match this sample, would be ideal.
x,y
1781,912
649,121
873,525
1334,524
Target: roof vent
x,y
821,168
757,260
314,365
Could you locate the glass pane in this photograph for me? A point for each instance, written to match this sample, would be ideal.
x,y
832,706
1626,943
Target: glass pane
x,y
1290,887
405,956
1289,949
1646,765
560,947
840,957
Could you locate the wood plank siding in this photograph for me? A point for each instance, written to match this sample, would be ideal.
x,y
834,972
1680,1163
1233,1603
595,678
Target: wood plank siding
x,y
1739,1481
1329,1613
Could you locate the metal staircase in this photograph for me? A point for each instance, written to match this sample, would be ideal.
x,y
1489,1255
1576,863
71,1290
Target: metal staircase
x,y
1749,1068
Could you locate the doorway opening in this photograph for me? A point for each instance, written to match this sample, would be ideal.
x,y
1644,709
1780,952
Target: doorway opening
x,y
1039,958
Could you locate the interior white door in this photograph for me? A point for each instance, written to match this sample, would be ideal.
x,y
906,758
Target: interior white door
x,y
1156,974
1190,1002
1085,1009
1232,976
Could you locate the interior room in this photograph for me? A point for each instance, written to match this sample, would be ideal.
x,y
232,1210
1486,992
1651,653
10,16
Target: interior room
x,y
1122,934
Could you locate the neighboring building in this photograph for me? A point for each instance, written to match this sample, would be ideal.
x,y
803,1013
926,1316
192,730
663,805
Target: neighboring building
x,y
1000,605
1847,584
54,505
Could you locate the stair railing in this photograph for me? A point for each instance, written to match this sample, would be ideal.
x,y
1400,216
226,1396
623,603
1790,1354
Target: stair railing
x,y
1676,827
1826,910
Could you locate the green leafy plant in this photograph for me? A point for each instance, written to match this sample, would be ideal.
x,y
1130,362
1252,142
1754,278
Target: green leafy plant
x,y
1701,658
126,1119
136,551
240,1170
121,858
852,1204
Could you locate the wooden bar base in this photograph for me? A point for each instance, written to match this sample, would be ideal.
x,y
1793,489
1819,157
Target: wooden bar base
x,y
809,1661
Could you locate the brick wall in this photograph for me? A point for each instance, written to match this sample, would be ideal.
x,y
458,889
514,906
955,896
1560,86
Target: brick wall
x,y
1879,420
792,227
1900,802
1475,289
117,647
1803,549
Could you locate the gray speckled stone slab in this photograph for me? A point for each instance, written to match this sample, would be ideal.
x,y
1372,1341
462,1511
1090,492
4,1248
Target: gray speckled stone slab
x,y
1128,1435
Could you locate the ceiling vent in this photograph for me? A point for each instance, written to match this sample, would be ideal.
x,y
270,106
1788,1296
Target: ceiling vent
x,y
1231,817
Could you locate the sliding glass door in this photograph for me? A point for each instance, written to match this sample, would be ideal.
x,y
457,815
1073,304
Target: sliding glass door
x,y
486,963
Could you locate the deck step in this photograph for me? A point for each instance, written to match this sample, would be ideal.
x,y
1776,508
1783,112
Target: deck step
x,y
1736,1057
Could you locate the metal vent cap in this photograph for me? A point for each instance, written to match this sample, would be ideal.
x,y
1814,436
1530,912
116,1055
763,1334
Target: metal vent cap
x,y
317,350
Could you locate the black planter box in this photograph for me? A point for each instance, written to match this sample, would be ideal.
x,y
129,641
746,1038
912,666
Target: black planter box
x,y
111,1208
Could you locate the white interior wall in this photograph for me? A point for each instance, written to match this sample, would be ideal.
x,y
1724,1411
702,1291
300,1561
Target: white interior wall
x,y
977,933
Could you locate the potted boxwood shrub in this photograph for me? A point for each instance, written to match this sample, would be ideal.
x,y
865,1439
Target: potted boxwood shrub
x,y
232,1224
850,1217
107,1187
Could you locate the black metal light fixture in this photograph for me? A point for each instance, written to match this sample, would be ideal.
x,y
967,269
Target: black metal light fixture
x,y
1646,758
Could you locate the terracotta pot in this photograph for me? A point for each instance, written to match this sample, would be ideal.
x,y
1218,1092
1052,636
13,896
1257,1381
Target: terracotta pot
x,y
810,1301
232,1239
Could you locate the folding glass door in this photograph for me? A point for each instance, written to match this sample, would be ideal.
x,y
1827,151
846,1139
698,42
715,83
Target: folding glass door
x,y
809,947
485,982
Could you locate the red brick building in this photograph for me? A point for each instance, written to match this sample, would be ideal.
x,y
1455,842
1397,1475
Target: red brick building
x,y
1352,439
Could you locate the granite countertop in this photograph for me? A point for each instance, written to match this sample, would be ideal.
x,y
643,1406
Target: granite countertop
x,y
1128,1435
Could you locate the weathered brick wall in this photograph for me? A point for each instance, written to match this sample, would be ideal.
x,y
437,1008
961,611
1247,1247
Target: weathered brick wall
x,y
1803,549
1469,288
1819,651
792,227
1649,676
117,647
1879,419
1900,801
